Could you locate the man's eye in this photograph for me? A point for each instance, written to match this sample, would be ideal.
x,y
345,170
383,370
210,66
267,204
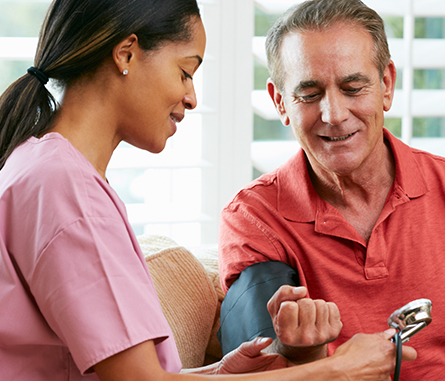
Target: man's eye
x,y
353,91
307,98
187,75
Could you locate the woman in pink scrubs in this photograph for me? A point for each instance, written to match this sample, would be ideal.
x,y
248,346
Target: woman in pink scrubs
x,y
77,301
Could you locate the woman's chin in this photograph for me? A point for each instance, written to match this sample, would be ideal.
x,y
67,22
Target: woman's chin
x,y
157,148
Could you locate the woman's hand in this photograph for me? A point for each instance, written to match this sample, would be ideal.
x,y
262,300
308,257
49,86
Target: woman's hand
x,y
248,358
369,357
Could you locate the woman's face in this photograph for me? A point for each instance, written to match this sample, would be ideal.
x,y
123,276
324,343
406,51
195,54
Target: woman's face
x,y
158,89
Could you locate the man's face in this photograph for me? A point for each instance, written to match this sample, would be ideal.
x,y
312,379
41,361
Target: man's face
x,y
333,96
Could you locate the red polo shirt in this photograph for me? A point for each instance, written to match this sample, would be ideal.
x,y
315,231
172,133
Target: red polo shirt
x,y
280,217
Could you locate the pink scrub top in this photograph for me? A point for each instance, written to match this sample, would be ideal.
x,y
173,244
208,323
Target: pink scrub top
x,y
74,286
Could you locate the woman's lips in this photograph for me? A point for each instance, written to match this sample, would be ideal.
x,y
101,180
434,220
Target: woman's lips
x,y
177,118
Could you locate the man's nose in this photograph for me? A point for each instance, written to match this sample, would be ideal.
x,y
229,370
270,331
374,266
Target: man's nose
x,y
334,108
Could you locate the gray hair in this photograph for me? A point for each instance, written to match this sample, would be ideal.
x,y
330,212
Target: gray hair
x,y
318,15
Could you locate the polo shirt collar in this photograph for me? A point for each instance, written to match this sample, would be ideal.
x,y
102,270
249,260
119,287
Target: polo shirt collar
x,y
299,202
409,177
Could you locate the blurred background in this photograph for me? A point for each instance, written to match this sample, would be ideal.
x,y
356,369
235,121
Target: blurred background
x,y
234,135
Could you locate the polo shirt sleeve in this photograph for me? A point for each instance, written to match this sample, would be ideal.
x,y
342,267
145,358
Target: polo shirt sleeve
x,y
95,292
245,239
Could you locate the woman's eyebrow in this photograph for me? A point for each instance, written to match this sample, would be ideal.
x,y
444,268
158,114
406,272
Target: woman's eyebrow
x,y
196,57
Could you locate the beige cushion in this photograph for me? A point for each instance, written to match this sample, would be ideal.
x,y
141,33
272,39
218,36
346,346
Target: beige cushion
x,y
209,258
188,297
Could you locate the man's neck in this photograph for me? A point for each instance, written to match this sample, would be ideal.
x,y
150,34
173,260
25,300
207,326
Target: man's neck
x,y
360,195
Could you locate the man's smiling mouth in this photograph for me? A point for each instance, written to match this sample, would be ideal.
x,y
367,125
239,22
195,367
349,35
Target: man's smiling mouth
x,y
337,138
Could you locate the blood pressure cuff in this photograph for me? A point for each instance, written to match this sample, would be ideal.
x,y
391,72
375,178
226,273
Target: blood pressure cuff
x,y
244,314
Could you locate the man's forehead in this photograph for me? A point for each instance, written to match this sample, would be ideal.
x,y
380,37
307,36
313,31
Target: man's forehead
x,y
340,32
344,49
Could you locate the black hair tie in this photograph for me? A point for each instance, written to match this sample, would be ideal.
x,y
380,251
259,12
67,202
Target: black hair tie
x,y
41,76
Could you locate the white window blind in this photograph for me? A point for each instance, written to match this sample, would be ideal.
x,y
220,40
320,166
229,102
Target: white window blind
x,y
180,192
418,50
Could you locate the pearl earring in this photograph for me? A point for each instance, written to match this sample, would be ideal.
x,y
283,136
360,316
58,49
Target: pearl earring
x,y
125,72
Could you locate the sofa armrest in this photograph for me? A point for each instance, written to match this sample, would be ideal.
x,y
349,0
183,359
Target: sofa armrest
x,y
187,295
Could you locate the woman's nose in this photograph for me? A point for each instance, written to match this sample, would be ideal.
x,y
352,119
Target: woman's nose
x,y
189,100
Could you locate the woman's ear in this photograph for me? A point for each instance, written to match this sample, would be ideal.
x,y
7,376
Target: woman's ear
x,y
125,52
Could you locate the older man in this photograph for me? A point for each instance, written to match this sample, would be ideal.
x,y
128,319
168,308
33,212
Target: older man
x,y
358,215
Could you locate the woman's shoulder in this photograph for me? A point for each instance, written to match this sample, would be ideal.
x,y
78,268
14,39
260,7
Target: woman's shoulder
x,y
51,171
50,184
50,161
52,154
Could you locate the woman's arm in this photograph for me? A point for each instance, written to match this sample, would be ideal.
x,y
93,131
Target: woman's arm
x,y
364,357
140,363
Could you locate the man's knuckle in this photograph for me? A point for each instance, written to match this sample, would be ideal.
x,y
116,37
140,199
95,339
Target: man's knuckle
x,y
320,303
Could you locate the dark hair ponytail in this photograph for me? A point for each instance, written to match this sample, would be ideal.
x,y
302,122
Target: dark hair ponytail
x,y
76,38
26,109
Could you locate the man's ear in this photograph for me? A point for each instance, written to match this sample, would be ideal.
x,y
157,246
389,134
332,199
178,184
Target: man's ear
x,y
124,52
388,85
278,101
